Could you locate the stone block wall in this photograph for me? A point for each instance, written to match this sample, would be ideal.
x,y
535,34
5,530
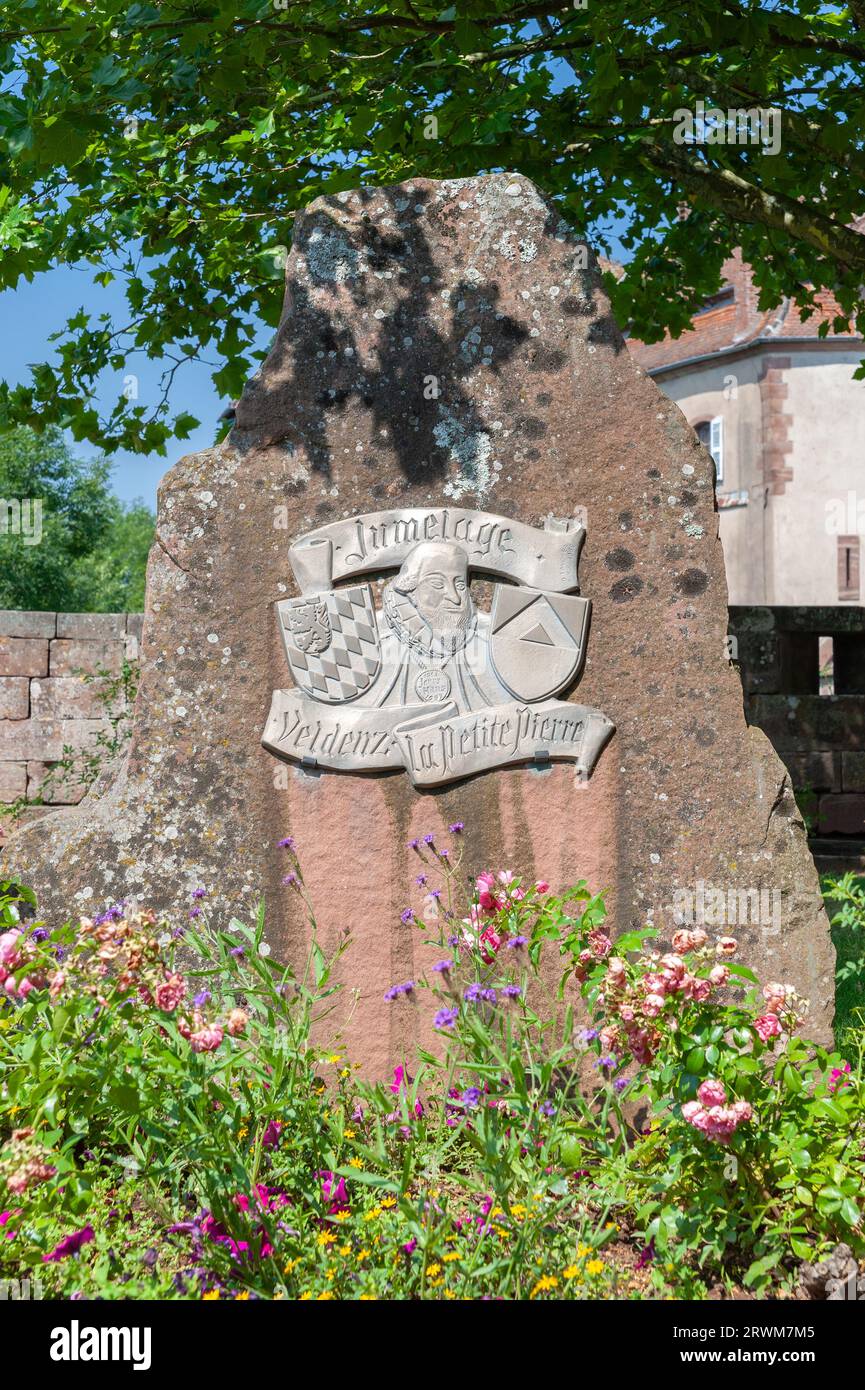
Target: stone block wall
x,y
45,703
812,711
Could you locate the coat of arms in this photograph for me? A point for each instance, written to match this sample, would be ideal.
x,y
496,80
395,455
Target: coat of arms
x,y
429,682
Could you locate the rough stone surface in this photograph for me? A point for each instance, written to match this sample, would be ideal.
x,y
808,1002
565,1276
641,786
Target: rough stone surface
x,y
15,622
476,289
69,655
23,656
90,625
14,697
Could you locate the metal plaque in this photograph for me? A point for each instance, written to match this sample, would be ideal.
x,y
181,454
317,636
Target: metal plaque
x,y
428,682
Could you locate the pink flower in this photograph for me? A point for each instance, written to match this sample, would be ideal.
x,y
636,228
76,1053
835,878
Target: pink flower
x,y
168,993
207,1039
653,1004
600,944
726,946
775,996
491,941
696,989
719,974
685,941
6,1216
505,876
334,1192
401,1081
236,1023
270,1138
767,1026
712,1093
542,886
8,946
69,1245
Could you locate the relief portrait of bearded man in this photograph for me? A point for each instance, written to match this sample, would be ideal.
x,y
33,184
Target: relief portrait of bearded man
x,y
434,642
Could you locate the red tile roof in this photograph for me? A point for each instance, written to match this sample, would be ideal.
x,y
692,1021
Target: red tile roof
x,y
737,323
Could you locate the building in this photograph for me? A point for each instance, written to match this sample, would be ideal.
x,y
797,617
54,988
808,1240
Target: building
x,y
779,410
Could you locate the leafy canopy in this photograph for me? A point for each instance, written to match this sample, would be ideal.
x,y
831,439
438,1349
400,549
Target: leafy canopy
x,y
170,146
91,554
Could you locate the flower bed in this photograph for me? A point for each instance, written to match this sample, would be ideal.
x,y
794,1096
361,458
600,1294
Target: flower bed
x,y
600,1120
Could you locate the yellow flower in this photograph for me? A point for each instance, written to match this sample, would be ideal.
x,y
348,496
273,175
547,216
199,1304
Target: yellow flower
x,y
330,1274
345,1249
336,1057
449,1293
611,1226
547,1282
433,1270
241,1296
368,1298
305,1297
355,1163
243,1131
342,1216
436,1283
349,1133
292,1264
210,1294
362,1254
451,1255
518,1210
372,1214
388,1201
323,1297
584,1250
594,1267
346,1071
572,1272
326,1238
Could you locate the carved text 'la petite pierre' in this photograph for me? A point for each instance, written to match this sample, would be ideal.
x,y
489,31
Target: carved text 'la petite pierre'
x,y
428,683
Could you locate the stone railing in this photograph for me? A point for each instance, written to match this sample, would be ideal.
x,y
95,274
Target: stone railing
x,y
46,705
803,674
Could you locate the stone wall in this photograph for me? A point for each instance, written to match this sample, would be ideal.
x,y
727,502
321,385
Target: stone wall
x,y
46,705
820,736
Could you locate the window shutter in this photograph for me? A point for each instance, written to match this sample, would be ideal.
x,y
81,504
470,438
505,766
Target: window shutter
x,y
716,446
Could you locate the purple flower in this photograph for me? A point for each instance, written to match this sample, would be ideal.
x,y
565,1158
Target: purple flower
x,y
453,941
513,943
436,893
290,878
443,966
588,1035
286,843
407,915
237,951
548,1109
201,998
410,1246
620,1083
446,1018
607,1062
472,993
489,995
39,934
413,844
457,828
471,1097
69,1245
421,880
512,991
200,893
195,912
396,990
429,839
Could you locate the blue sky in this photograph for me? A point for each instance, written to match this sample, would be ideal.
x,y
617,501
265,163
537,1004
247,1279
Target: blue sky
x,y
31,312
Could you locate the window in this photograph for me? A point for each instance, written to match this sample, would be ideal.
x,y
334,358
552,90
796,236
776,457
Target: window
x,y
848,569
725,296
711,435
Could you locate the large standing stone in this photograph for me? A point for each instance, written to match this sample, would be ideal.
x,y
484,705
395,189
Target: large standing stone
x,y
442,343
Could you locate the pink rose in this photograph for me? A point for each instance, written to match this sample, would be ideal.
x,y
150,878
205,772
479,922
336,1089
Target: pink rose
x,y
719,974
168,993
767,1026
8,945
489,944
600,944
207,1039
726,946
653,1004
236,1023
698,990
542,886
712,1093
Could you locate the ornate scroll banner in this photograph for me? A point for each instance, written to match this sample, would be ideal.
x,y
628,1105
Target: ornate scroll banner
x,y
428,683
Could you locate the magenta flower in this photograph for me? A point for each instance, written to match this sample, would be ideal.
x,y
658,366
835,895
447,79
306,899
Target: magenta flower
x,y
69,1245
334,1192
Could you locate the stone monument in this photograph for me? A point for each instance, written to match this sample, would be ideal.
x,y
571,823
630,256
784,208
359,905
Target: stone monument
x,y
448,410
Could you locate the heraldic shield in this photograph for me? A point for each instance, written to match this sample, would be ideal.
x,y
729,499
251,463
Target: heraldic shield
x,y
537,640
331,640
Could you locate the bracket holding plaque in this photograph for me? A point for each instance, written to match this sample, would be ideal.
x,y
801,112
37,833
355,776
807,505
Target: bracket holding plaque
x,y
428,682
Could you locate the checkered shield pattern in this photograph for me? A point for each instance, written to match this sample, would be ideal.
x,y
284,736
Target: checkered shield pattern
x,y
350,662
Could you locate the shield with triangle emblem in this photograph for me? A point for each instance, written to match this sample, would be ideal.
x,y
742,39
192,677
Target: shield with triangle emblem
x,y
537,640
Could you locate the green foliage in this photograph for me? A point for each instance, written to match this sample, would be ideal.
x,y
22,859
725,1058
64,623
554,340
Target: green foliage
x,y
171,151
845,900
92,553
173,1129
